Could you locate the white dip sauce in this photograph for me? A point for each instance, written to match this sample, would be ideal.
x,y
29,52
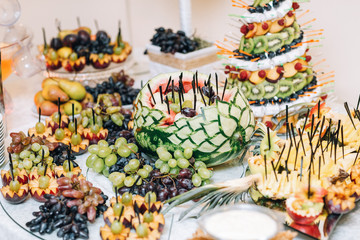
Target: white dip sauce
x,y
240,224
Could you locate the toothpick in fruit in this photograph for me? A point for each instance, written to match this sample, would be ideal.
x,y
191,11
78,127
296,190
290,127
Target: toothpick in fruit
x,y
222,98
152,95
161,94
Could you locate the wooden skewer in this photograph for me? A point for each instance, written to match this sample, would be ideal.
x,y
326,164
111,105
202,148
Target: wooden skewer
x,y
168,84
302,142
217,84
301,167
222,98
273,167
167,103
161,94
306,118
202,96
309,185
342,141
282,151
357,154
349,114
152,95
265,167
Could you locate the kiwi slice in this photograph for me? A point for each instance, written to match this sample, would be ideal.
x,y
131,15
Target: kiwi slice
x,y
261,44
271,89
299,81
247,45
286,88
297,30
275,42
257,92
288,35
245,87
309,75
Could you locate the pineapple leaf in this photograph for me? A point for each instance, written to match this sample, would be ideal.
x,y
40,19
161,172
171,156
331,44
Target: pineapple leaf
x,y
214,195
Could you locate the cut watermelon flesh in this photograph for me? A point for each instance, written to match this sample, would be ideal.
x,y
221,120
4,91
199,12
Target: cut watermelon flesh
x,y
217,134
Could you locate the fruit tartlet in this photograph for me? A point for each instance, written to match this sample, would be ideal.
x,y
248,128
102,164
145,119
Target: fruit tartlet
x,y
41,186
305,209
19,175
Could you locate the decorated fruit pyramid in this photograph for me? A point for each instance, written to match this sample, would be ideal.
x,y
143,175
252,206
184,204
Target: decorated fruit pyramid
x,y
184,110
271,63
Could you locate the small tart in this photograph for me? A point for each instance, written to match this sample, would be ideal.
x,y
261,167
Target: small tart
x,y
15,197
301,215
33,133
107,234
39,193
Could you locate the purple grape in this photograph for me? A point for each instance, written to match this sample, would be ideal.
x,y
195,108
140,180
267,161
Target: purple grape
x,y
186,183
185,173
163,194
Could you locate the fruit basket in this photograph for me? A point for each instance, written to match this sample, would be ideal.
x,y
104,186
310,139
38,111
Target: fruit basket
x,y
179,53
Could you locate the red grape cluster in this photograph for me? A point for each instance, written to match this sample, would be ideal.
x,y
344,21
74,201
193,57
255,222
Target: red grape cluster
x,y
19,141
82,194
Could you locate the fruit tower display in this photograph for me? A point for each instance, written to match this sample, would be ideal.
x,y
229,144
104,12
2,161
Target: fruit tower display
x,y
271,63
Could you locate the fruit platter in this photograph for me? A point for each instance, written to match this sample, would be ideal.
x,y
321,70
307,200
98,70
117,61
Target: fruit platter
x,y
81,53
257,141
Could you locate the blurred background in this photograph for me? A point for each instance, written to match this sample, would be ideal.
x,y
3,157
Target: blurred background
x,y
210,21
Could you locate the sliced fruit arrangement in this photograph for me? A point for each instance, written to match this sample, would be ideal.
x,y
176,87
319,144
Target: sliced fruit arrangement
x,y
133,217
182,109
320,155
69,92
74,49
258,47
284,25
276,85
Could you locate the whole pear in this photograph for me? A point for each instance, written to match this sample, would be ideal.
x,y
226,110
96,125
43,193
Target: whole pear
x,y
53,92
48,108
49,81
38,99
73,89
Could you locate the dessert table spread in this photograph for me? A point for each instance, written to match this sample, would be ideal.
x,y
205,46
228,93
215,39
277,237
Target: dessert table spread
x,y
20,117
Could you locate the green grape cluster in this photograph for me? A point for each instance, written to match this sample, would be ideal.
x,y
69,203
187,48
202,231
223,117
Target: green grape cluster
x,y
102,115
86,119
132,171
103,156
172,164
31,157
